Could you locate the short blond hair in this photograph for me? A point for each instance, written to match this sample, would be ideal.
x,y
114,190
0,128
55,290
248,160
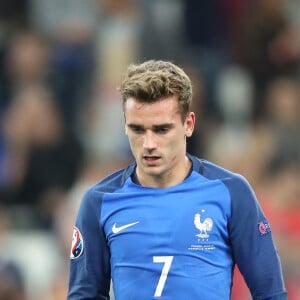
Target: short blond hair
x,y
155,80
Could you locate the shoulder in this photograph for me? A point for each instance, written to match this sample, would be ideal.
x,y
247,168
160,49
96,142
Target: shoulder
x,y
234,182
111,182
212,171
243,200
93,196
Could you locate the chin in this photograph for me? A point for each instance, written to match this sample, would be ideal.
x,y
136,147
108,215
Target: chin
x,y
152,170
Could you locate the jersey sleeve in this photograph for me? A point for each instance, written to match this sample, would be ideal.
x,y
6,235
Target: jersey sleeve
x,y
253,247
89,263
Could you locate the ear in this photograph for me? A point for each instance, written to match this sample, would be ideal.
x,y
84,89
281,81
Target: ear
x,y
189,123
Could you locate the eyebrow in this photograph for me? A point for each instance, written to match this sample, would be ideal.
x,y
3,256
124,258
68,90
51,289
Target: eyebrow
x,y
165,125
154,127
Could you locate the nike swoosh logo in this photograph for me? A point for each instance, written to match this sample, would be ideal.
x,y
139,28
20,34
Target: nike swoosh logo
x,y
116,229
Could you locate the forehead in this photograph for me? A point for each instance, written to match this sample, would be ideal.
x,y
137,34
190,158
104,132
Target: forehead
x,y
164,109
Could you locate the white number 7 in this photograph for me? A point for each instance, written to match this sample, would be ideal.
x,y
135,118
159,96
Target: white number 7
x,y
167,260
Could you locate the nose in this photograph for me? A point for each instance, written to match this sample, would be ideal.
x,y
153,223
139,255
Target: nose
x,y
149,140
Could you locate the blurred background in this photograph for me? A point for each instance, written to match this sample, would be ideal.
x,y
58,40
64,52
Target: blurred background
x,y
61,123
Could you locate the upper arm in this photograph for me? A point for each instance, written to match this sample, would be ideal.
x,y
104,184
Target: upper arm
x,y
89,268
253,247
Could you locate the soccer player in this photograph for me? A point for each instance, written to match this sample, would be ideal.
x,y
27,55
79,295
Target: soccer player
x,y
170,225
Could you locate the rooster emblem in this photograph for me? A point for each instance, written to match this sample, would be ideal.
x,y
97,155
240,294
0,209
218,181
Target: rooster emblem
x,y
204,226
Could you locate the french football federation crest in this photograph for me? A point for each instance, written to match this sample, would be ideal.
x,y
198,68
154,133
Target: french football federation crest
x,y
77,244
203,226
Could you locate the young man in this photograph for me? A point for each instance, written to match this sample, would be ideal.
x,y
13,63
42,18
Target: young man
x,y
169,226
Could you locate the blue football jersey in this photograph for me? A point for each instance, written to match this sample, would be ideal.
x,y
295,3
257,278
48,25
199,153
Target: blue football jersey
x,y
174,243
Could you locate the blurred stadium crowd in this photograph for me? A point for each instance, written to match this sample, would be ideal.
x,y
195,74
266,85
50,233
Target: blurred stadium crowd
x,y
61,124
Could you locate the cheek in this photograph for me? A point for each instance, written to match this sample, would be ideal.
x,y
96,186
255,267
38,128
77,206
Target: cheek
x,y
176,142
135,142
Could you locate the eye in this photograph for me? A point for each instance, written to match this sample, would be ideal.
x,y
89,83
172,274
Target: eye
x,y
162,130
137,129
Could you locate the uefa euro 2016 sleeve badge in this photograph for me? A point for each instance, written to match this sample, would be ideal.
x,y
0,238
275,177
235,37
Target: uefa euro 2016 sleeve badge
x,y
77,244
264,227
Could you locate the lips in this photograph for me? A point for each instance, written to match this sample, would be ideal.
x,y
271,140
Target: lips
x,y
151,158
